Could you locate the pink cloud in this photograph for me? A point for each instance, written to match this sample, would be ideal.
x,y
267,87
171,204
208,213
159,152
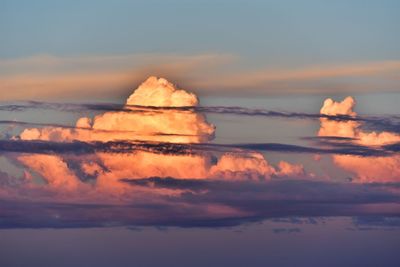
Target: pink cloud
x,y
366,169
163,125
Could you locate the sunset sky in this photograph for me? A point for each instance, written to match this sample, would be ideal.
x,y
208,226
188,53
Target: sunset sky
x,y
199,133
76,48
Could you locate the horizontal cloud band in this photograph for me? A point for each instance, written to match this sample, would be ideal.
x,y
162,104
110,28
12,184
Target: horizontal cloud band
x,y
251,202
78,147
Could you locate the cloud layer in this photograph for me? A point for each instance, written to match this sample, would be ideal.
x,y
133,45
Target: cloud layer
x,y
46,76
150,162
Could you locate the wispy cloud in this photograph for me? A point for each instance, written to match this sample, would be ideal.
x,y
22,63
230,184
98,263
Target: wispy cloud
x,y
387,123
45,76
307,73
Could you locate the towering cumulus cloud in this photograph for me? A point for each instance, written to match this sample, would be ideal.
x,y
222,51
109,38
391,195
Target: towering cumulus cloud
x,y
366,169
161,93
152,115
169,125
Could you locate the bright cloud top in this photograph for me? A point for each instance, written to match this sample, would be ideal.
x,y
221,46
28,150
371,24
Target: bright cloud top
x,y
161,93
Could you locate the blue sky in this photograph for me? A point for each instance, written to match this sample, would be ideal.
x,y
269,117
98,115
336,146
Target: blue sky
x,y
247,48
211,47
263,32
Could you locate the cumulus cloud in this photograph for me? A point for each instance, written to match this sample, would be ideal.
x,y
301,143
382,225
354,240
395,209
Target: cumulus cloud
x,y
333,108
135,165
162,125
167,126
366,169
161,93
55,171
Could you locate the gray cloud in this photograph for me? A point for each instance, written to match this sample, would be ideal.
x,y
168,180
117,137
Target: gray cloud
x,y
78,147
252,201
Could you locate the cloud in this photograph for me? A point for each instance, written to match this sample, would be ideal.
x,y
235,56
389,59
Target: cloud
x,y
286,230
52,167
263,77
46,77
377,222
162,141
203,203
333,108
388,123
134,165
156,92
366,169
118,147
157,125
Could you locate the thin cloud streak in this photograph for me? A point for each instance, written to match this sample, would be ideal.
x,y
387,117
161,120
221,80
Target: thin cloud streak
x,y
79,147
259,77
385,123
44,77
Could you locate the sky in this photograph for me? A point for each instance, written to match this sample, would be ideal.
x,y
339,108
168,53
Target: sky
x,y
210,47
200,133
274,31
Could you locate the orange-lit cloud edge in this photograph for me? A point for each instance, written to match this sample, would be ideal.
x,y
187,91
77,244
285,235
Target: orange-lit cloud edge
x,y
105,177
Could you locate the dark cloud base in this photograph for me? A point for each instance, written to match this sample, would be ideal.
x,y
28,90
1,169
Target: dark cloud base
x,y
251,202
78,147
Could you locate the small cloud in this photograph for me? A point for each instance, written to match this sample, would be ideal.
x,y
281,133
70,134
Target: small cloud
x,y
286,230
